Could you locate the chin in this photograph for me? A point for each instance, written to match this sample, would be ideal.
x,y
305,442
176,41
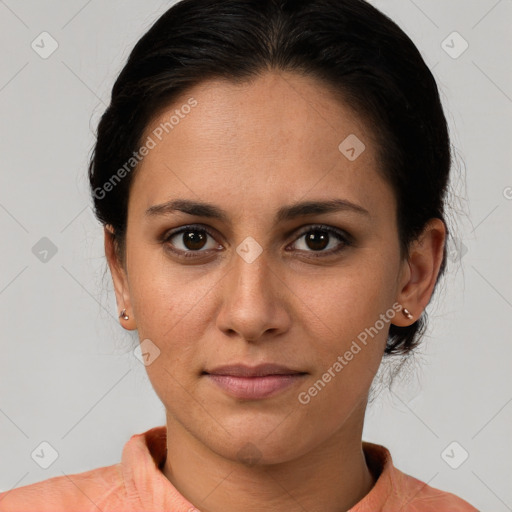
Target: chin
x,y
261,443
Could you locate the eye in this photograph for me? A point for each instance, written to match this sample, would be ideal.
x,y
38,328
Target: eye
x,y
189,240
317,238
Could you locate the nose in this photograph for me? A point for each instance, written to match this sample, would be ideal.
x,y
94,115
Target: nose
x,y
253,300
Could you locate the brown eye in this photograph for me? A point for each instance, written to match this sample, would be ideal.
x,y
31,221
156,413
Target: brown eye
x,y
190,239
194,240
317,238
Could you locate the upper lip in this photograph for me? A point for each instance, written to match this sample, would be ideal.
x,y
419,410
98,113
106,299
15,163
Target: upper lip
x,y
261,370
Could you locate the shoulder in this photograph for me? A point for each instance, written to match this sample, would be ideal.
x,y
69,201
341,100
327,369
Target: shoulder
x,y
86,491
421,497
396,490
120,486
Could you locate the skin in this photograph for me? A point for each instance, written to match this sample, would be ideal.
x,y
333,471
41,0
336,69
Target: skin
x,y
251,149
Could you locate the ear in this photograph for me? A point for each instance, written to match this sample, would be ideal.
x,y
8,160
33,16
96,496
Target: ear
x,y
120,280
420,271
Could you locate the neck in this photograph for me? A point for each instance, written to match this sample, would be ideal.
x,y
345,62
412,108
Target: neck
x,y
332,477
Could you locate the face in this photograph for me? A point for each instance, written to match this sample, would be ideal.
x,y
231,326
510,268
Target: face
x,y
300,289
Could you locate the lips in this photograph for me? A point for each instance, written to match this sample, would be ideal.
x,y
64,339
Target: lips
x,y
254,383
262,370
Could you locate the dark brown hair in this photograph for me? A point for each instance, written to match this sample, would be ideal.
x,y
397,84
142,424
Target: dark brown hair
x,y
348,44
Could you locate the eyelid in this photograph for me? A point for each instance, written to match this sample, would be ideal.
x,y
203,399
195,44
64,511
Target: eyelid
x,y
344,235
345,238
167,235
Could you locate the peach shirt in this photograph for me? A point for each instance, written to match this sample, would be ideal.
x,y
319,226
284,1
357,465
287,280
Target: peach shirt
x,y
137,484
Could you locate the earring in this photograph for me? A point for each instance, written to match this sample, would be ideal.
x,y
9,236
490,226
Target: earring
x,y
123,315
406,312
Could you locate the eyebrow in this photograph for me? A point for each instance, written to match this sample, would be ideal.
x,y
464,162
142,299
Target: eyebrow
x,y
285,213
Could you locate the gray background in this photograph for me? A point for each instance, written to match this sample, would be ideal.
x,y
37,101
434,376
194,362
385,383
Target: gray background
x,y
68,376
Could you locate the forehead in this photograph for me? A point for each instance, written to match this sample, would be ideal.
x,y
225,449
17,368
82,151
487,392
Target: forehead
x,y
280,136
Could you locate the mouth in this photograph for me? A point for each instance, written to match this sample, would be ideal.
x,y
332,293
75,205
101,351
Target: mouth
x,y
254,383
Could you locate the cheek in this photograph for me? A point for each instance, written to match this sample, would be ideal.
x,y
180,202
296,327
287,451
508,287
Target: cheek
x,y
348,301
349,344
172,307
166,298
350,339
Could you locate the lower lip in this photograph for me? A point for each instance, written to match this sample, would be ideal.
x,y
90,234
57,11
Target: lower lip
x,y
254,388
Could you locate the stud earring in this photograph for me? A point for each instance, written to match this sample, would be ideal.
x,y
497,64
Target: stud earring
x,y
406,312
123,315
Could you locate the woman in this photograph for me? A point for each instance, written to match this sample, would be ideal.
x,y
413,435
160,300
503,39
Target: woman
x,y
271,178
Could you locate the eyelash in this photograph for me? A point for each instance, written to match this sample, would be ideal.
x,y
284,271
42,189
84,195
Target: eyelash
x,y
343,237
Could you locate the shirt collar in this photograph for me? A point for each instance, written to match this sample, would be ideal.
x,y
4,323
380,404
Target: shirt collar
x,y
146,485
